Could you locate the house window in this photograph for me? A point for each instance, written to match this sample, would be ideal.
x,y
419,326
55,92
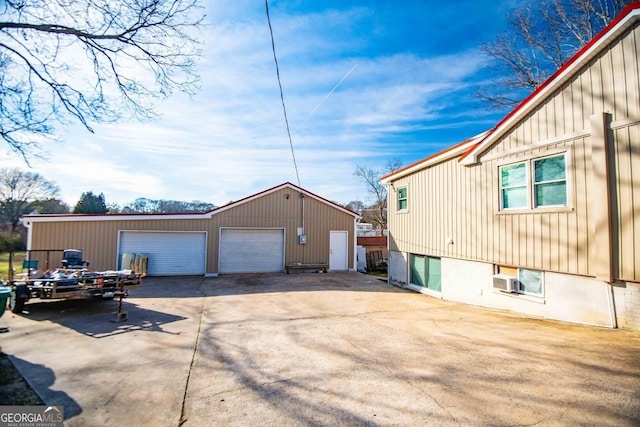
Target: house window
x,y
513,186
550,181
530,282
547,186
402,199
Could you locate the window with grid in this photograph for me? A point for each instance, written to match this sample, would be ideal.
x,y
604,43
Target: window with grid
x,y
545,186
402,199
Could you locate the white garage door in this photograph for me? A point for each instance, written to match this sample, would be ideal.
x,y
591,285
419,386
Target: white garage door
x,y
170,253
251,250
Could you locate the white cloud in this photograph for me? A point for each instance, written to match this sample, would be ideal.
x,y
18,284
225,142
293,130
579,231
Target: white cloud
x,y
230,140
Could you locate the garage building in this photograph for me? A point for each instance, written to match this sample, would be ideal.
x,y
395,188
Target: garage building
x,y
283,225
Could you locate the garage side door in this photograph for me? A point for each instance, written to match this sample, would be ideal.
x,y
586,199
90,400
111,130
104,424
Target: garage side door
x,y
170,253
251,250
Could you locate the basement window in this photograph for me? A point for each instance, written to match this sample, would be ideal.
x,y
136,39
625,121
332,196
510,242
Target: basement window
x,y
530,282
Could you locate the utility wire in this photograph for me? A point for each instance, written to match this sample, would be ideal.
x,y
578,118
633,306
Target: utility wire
x,y
284,109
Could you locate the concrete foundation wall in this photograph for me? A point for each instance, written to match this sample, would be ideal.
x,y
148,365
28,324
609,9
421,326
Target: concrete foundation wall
x,y
397,268
627,299
566,297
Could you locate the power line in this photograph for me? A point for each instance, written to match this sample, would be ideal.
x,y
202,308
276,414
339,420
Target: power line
x,y
284,109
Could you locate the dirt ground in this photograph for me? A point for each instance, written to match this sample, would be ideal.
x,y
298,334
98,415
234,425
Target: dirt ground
x,y
14,390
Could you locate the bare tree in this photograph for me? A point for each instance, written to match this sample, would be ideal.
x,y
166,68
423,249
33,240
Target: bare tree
x,y
20,192
377,211
542,36
90,61
355,206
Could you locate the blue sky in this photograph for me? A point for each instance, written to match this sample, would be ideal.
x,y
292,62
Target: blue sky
x,y
407,72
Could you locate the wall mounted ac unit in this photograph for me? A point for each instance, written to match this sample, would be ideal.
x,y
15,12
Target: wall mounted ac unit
x,y
505,283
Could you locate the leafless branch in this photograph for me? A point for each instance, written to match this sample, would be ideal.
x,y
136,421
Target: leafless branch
x,y
90,61
542,36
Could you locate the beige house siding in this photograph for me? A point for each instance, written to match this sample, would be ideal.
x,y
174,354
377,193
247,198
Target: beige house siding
x,y
608,83
588,251
281,208
627,203
450,200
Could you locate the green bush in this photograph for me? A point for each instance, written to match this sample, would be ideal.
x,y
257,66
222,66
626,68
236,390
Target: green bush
x,y
9,243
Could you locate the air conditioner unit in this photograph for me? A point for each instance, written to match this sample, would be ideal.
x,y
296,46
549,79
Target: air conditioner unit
x,y
505,283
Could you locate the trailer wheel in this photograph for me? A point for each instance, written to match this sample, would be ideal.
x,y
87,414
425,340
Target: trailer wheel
x,y
19,296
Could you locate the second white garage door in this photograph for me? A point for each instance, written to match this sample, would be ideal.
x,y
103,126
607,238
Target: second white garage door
x,y
251,250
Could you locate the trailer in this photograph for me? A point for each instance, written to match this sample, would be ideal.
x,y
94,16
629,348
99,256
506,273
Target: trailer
x,y
72,284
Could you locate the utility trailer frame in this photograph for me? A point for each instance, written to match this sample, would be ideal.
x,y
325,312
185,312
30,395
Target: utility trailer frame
x,y
77,285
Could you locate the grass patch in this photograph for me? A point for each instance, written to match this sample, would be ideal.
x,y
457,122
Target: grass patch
x,y
18,257
379,274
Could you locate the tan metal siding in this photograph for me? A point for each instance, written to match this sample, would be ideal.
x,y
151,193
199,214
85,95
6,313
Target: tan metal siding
x,y
276,210
98,239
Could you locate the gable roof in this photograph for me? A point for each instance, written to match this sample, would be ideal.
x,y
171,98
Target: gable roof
x,y
438,157
186,215
470,149
627,18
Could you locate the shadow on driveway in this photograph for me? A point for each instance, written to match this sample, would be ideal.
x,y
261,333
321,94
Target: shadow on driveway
x,y
95,317
41,378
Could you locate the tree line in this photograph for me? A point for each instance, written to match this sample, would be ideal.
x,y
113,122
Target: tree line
x,y
23,192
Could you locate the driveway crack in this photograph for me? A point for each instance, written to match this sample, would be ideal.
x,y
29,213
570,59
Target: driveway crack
x,y
182,419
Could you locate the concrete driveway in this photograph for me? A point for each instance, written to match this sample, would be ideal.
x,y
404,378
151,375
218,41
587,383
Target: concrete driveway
x,y
317,349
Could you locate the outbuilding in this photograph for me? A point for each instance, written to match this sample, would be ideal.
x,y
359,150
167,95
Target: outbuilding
x,y
541,214
283,225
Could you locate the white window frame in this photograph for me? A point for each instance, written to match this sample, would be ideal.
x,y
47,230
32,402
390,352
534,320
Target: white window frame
x,y
531,184
526,185
405,199
534,184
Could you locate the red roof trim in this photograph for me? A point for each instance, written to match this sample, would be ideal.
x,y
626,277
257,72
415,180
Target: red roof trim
x,y
627,10
114,214
426,159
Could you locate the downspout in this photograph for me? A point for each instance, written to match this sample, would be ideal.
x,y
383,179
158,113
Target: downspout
x,y
612,307
604,196
389,185
302,197
304,249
